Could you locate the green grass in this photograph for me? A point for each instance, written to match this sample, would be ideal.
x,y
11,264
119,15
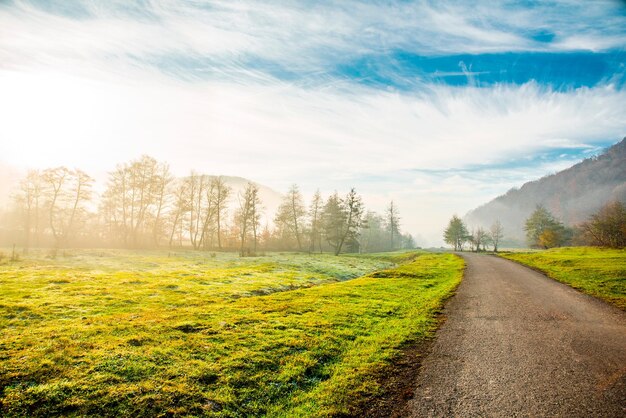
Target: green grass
x,y
598,272
115,333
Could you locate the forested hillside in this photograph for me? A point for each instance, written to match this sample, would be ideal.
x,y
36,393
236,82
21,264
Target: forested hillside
x,y
571,195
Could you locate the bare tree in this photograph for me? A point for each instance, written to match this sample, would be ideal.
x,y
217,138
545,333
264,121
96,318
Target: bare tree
x,y
209,215
161,182
606,227
479,238
179,208
27,200
196,185
393,224
81,190
221,194
142,180
65,191
55,180
255,212
496,234
315,219
290,215
248,216
133,197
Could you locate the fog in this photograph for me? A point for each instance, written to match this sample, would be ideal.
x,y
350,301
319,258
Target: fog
x,y
438,107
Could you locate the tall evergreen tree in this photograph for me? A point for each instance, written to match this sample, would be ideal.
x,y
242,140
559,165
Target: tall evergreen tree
x,y
333,220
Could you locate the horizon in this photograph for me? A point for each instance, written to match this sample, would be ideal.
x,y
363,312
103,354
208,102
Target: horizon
x,y
439,107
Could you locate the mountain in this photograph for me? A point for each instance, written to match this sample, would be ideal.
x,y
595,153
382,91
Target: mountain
x,y
571,195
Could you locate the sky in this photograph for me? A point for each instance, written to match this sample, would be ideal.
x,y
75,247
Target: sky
x,y
437,105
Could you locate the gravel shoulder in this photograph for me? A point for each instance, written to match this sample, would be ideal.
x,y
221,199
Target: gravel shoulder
x,y
517,343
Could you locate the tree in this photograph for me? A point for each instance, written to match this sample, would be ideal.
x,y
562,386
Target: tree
x,y
549,238
342,219
496,233
208,216
607,227
290,215
353,209
179,208
333,219
81,192
374,235
315,219
55,180
162,179
199,207
248,216
544,231
456,233
28,202
408,242
65,191
479,237
221,194
255,215
393,224
132,199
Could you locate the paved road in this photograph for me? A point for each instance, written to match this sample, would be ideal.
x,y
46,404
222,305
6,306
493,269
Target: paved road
x,y
516,343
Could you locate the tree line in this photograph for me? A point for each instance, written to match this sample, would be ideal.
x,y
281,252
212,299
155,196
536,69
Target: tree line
x,y
457,235
144,206
605,228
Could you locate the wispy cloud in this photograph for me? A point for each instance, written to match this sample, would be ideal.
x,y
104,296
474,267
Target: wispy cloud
x,y
340,131
304,36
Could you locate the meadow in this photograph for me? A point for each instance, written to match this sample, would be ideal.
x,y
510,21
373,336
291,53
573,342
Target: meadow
x,y
157,333
599,272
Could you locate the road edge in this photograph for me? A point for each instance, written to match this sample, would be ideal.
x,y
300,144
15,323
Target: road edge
x,y
398,380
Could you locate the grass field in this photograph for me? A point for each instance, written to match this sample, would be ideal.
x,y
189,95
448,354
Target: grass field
x,y
120,333
598,272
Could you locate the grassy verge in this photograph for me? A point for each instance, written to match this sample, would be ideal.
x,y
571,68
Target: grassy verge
x,y
598,272
188,334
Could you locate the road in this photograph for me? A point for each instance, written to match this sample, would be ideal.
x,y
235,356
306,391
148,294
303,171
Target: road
x,y
516,343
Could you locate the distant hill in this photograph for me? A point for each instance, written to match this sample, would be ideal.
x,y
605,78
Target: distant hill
x,y
571,195
270,198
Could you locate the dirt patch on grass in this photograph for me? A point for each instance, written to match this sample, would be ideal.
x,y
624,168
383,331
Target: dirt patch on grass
x,y
399,381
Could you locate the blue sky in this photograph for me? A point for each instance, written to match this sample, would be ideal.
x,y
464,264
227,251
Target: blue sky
x,y
439,105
